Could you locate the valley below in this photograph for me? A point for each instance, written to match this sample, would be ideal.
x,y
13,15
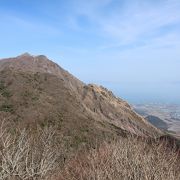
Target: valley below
x,y
164,116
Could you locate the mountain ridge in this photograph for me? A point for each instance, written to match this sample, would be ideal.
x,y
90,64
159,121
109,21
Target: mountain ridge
x,y
44,85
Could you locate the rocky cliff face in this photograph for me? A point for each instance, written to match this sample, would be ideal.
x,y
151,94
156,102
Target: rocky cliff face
x,y
34,90
105,106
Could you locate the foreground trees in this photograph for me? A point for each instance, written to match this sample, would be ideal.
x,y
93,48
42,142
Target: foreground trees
x,y
39,154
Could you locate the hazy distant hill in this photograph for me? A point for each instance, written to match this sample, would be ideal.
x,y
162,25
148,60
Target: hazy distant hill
x,y
157,122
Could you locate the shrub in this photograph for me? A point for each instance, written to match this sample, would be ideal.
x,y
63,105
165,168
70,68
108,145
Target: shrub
x,y
127,159
2,86
6,94
6,108
3,91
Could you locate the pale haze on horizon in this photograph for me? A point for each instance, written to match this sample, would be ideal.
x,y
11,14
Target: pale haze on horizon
x,y
129,46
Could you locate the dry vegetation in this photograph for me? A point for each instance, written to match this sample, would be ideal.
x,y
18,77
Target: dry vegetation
x,y
24,155
126,159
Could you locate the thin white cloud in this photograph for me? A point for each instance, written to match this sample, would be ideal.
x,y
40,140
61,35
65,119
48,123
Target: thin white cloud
x,y
139,22
136,21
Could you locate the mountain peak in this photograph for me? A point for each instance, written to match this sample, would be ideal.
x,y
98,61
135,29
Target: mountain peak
x,y
41,56
24,54
30,63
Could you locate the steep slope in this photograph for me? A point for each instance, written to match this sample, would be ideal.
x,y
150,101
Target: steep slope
x,y
35,91
109,108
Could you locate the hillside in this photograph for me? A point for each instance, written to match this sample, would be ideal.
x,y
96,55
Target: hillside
x,y
34,90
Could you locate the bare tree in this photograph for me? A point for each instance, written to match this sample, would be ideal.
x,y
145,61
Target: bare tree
x,y
126,159
24,157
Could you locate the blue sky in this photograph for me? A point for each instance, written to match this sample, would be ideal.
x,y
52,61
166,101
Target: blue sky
x,y
130,46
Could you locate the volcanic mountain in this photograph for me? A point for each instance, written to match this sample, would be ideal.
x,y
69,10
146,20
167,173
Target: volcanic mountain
x,y
36,91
